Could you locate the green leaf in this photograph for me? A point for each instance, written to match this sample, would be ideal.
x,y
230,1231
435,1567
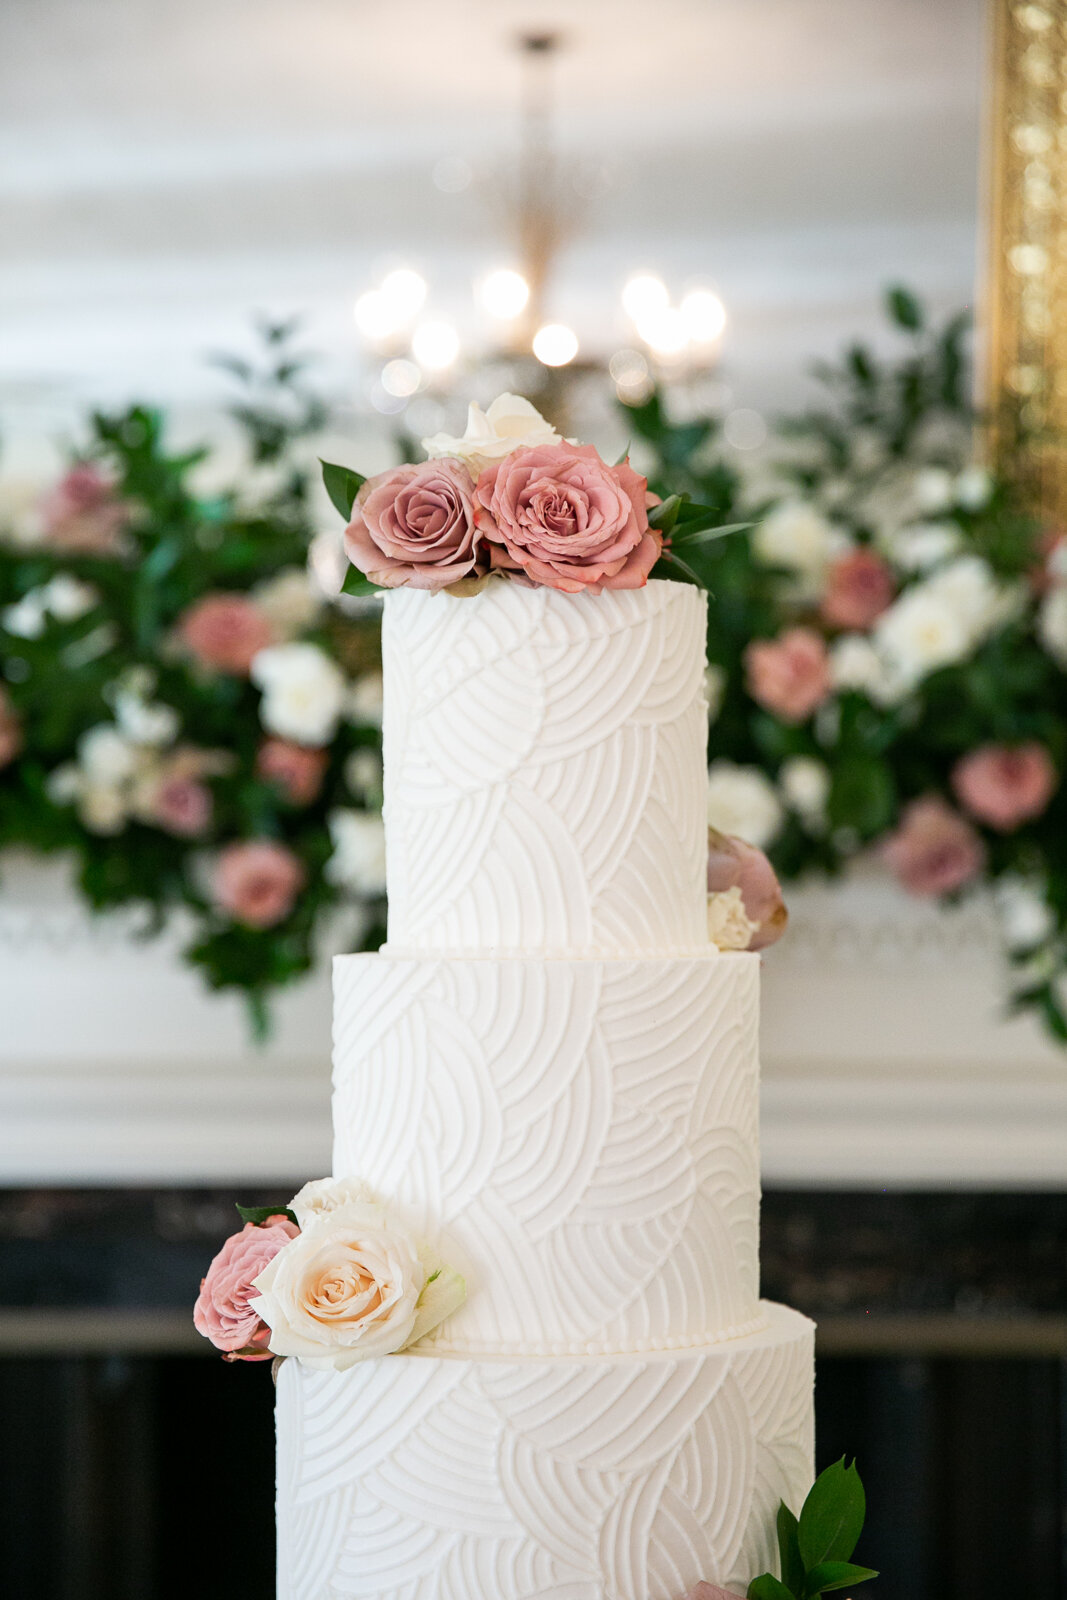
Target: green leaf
x,y
904,308
686,536
768,1587
831,1518
260,1214
443,1292
342,486
625,455
789,1549
835,1575
355,583
862,796
665,515
669,559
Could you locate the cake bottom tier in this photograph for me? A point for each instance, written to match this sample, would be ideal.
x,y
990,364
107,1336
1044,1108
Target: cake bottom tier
x,y
422,1477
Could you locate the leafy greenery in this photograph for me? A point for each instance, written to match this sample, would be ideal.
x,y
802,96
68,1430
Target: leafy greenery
x,y
261,1214
815,1549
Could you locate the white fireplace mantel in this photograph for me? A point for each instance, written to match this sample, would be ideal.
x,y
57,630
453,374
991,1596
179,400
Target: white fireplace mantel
x,y
887,1062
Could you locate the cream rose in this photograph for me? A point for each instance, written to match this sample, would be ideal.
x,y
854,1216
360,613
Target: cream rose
x,y
352,1286
511,423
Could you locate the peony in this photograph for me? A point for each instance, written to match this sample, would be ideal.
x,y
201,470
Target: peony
x,y
511,423
224,632
352,1286
303,692
83,513
222,1312
1052,623
1005,785
742,802
797,537
859,588
805,785
10,730
358,860
933,850
560,516
295,769
789,675
256,882
414,527
735,864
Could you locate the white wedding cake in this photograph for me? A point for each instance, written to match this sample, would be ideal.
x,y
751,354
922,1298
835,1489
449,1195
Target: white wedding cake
x,y
552,1073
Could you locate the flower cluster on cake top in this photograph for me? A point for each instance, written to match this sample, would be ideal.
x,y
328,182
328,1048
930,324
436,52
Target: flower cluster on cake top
x,y
511,498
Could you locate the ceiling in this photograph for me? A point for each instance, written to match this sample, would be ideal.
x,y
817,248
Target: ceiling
x,y
167,167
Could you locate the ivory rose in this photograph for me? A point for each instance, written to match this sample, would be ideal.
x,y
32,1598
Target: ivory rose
x,y
257,881
934,850
352,1286
224,632
414,527
511,423
1005,785
83,513
789,675
735,865
296,769
10,730
859,588
558,515
222,1312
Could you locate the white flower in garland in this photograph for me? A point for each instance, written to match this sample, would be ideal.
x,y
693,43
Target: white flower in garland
x,y
967,586
742,802
354,1284
1023,911
805,785
855,664
358,860
288,601
799,538
303,692
923,545
729,925
919,633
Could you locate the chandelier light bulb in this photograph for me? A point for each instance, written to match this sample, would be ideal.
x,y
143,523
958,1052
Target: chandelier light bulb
x,y
435,345
664,331
554,344
704,315
404,292
644,295
375,317
504,293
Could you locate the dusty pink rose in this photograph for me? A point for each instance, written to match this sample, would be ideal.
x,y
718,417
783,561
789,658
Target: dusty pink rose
x,y
222,1313
83,513
560,516
934,850
859,589
10,730
183,806
1005,785
734,864
224,632
414,526
295,769
257,881
789,675
711,1591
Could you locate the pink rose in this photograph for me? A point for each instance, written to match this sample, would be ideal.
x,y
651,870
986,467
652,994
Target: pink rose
x,y
295,769
257,881
1005,785
734,864
933,850
10,730
562,517
182,806
414,526
711,1591
222,1313
789,675
83,513
859,589
224,632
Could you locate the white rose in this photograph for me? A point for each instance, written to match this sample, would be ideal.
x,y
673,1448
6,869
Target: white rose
x,y
805,785
358,860
288,601
923,545
303,692
511,423
68,598
321,1195
856,664
933,489
346,1289
742,802
365,700
920,632
106,756
1052,623
363,772
973,488
144,722
799,538
63,785
968,588
714,689
1025,917
729,925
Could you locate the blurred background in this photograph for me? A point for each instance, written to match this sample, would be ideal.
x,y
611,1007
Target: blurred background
x,y
799,255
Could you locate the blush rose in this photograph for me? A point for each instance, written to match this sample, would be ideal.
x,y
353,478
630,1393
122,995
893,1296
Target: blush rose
x,y
296,769
256,882
224,632
222,1312
83,513
934,850
859,588
789,675
414,527
559,516
1005,785
733,864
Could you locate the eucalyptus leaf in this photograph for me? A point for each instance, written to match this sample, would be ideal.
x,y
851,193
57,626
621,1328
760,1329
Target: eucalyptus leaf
x,y
768,1587
342,486
835,1575
260,1214
831,1519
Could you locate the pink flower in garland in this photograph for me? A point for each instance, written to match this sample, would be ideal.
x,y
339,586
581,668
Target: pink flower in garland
x,y
858,590
1005,785
257,882
559,516
10,730
83,513
222,1312
934,850
414,527
296,769
224,632
790,675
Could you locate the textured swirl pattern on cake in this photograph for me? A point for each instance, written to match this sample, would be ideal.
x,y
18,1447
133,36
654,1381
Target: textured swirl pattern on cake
x,y
579,1138
437,1479
544,770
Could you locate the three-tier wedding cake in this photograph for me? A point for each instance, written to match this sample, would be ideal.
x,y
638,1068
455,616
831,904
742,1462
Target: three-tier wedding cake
x,y
552,1076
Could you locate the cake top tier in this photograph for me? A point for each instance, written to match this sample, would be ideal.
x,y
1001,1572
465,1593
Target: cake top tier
x,y
545,771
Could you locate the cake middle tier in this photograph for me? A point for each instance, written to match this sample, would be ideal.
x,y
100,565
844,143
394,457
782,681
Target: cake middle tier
x,y
578,1138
